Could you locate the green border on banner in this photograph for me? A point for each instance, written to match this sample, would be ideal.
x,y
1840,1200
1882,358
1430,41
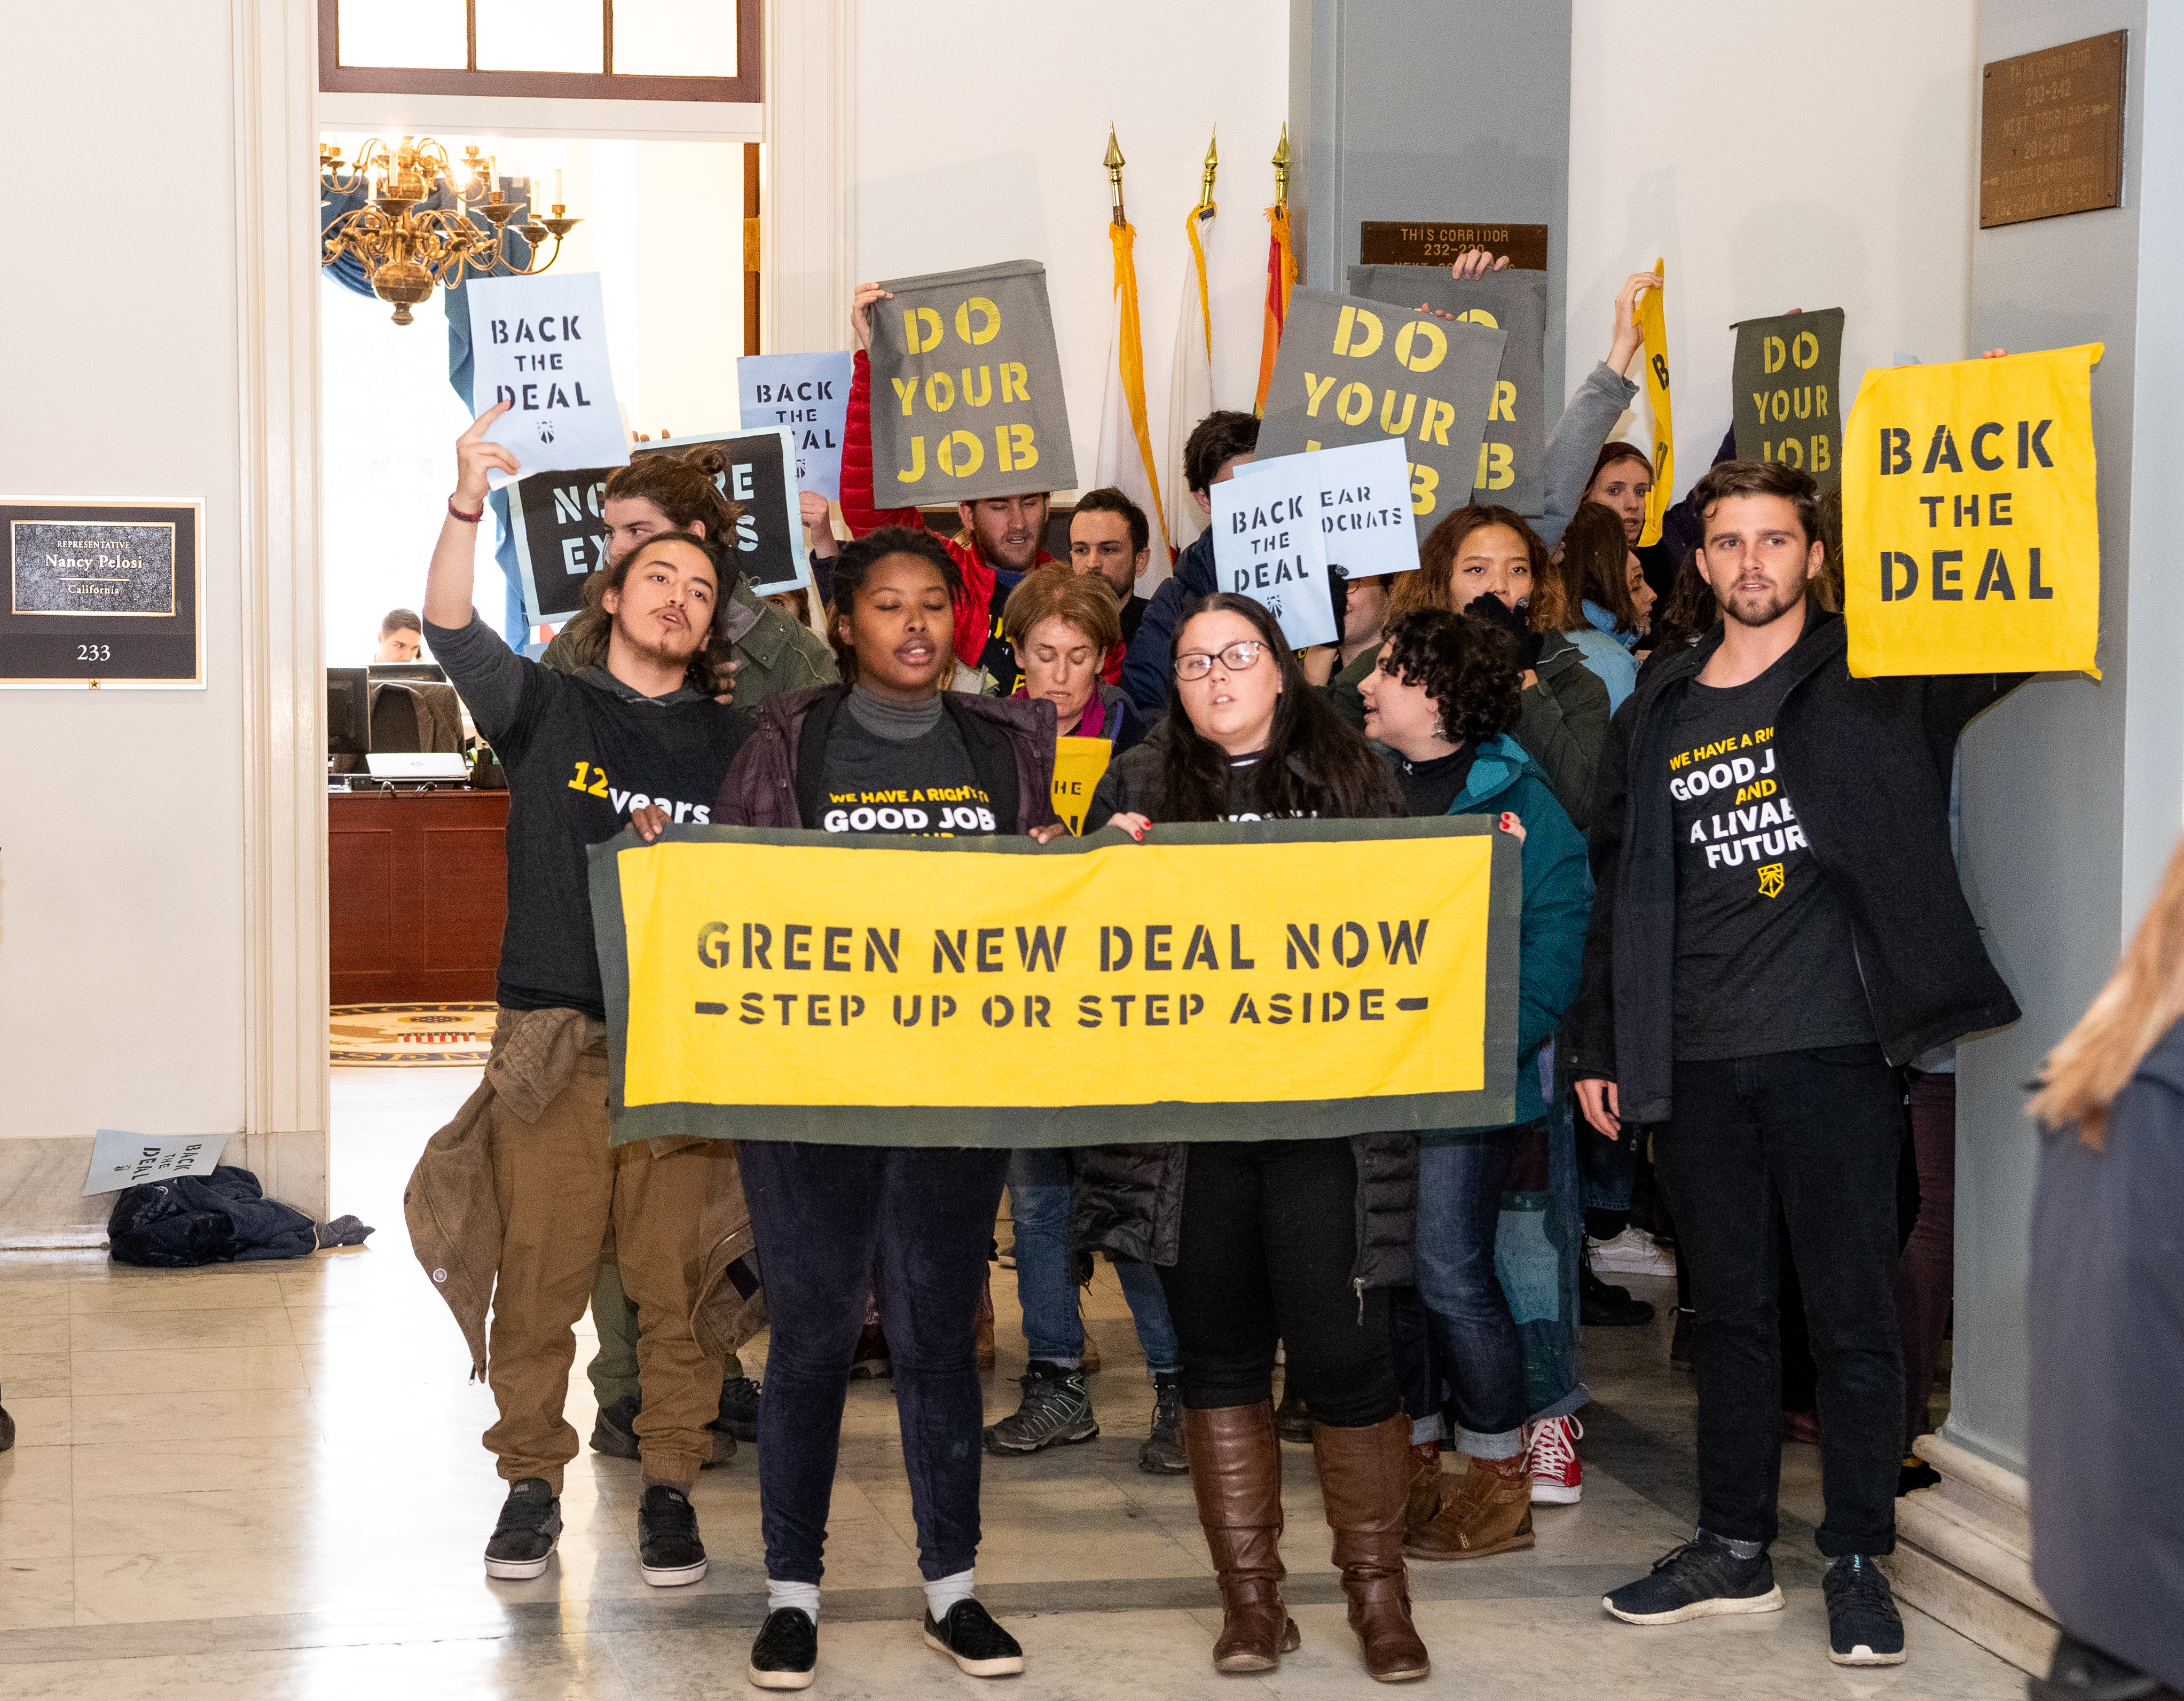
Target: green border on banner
x,y
1124,1122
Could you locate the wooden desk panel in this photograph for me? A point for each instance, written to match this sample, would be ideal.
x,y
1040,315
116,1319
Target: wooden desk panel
x,y
417,893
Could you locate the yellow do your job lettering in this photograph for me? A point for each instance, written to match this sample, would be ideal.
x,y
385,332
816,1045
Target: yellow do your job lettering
x,y
960,454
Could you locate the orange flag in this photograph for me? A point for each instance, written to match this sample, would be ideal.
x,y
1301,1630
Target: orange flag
x,y
1281,278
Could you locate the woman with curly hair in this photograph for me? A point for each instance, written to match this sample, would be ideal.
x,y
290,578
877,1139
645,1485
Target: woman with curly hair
x,y
1484,551
1442,699
1258,1241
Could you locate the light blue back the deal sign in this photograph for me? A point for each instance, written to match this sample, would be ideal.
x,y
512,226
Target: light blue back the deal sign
x,y
809,396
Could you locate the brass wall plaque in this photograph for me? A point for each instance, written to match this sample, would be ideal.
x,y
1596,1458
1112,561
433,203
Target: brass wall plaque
x,y
1395,242
2050,131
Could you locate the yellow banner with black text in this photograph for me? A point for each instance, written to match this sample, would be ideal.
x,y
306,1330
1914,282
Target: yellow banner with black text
x,y
1971,524
1247,981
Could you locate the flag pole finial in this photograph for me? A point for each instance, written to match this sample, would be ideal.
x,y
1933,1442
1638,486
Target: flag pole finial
x,y
1282,168
1114,163
1212,166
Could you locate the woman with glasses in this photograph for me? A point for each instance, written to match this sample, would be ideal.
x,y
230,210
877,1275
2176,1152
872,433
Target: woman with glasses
x,y
1294,1240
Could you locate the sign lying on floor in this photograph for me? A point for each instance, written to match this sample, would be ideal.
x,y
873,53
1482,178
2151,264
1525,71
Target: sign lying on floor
x,y
119,1160
1971,523
1230,982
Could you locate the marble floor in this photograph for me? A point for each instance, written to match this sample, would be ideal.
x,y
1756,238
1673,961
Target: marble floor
x,y
266,1481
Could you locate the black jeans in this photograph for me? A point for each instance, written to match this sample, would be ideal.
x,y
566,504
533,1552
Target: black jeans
x,y
1268,1248
1808,1139
822,1215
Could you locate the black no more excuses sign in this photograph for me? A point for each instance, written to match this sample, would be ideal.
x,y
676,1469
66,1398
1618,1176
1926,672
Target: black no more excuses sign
x,y
1353,370
966,388
558,520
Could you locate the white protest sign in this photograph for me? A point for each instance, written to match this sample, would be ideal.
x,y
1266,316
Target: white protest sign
x,y
541,344
808,396
1268,545
119,1160
1364,501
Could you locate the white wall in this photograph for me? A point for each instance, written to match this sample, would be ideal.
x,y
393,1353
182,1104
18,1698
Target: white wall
x,y
121,858
980,131
1778,157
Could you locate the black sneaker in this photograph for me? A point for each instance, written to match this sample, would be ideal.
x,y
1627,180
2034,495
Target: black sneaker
x,y
1056,1411
1914,1473
738,1409
530,1525
1863,1627
1603,1305
1163,1453
668,1549
614,1432
786,1649
969,1636
1695,1581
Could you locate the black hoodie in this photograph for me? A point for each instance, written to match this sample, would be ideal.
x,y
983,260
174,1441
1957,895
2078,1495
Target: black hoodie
x,y
1873,759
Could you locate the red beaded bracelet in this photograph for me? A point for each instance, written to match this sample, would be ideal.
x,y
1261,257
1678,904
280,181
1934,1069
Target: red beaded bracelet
x,y
455,513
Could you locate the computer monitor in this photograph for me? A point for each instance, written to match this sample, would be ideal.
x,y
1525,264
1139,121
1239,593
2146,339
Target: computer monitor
x,y
424,672
348,712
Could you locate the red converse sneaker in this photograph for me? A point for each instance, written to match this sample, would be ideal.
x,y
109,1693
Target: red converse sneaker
x,y
1558,1475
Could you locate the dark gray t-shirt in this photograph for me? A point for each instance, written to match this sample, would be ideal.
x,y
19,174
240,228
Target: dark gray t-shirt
x,y
891,770
1764,958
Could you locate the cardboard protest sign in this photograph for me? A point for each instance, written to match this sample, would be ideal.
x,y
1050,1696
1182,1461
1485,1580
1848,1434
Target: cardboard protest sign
x,y
1352,370
1513,301
1362,499
966,388
1268,545
1788,392
1971,532
541,343
119,1160
560,530
1291,979
808,395
1653,328
1078,763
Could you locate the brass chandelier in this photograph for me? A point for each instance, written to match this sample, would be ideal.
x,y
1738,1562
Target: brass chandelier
x,y
405,252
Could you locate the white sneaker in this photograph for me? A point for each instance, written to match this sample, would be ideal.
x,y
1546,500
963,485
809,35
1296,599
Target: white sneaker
x,y
1557,1478
1630,1253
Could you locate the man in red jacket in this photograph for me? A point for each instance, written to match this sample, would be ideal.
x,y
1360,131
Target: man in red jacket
x,y
998,542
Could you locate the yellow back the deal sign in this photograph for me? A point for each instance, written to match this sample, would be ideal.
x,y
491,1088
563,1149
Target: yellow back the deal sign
x,y
1971,532
1078,763
1242,982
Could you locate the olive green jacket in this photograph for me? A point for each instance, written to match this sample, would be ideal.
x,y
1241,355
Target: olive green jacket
x,y
772,652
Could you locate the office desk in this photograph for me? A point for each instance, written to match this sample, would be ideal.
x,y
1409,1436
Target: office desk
x,y
417,891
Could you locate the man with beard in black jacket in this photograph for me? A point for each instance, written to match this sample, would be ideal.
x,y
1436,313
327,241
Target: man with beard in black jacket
x,y
1778,927
1217,445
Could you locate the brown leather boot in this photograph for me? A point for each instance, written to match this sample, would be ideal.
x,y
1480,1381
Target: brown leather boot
x,y
1482,1512
1424,1497
1364,1479
1236,1472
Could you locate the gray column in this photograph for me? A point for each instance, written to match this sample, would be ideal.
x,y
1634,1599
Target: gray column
x,y
1453,110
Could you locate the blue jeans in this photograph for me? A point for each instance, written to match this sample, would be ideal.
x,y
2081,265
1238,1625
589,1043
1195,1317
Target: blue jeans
x,y
1046,1259
1046,1273
1460,1179
822,1216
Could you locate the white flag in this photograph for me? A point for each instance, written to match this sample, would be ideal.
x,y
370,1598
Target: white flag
x,y
1124,459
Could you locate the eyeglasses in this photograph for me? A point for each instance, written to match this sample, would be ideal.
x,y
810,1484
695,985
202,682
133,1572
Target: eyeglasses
x,y
1237,658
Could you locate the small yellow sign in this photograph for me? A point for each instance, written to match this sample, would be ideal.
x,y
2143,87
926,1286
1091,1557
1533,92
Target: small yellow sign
x,y
1078,764
1972,527
1653,327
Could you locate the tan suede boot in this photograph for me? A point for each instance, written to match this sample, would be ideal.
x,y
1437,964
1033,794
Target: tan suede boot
x,y
1484,1511
1236,1472
1364,1479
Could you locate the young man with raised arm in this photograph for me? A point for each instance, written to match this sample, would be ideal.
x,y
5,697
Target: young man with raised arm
x,y
1778,928
581,751
998,542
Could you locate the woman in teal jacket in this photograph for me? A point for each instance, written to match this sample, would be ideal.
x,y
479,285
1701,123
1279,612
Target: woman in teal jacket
x,y
1441,699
